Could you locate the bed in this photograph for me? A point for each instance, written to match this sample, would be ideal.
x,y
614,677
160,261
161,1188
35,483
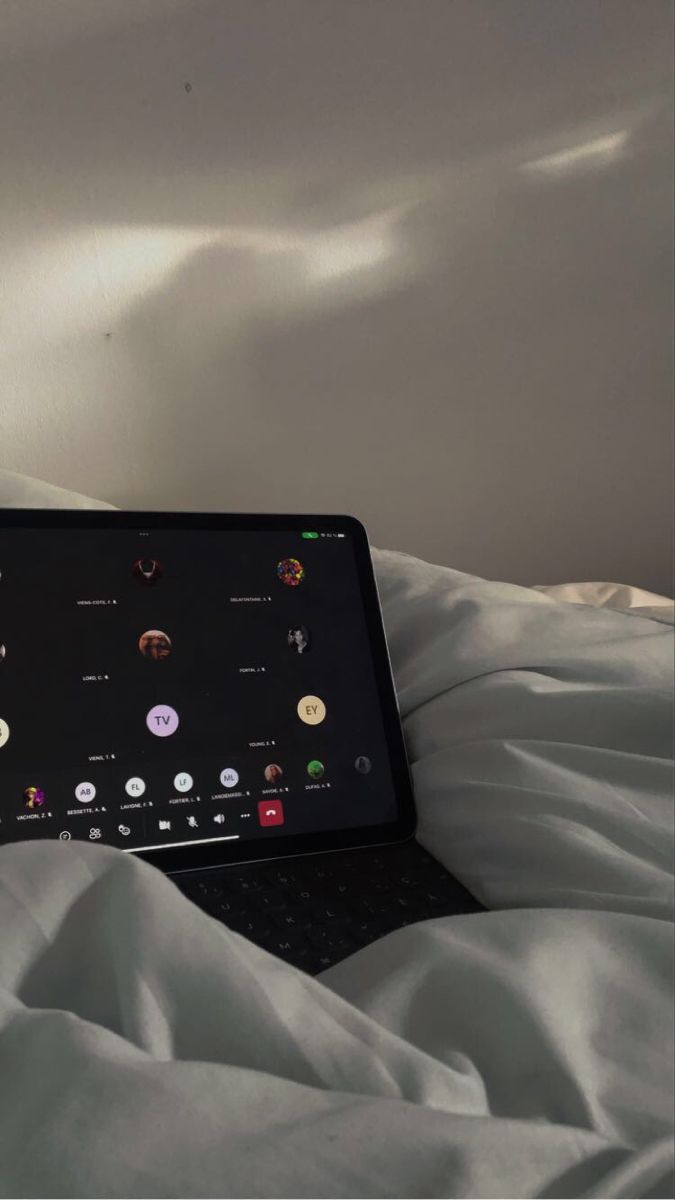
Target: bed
x,y
145,1050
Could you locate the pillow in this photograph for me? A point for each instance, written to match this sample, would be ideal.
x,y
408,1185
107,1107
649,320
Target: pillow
x,y
540,738
619,596
20,491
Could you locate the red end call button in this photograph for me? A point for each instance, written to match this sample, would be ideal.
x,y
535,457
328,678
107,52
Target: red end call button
x,y
270,812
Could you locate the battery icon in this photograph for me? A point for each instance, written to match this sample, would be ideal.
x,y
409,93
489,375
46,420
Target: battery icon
x,y
310,535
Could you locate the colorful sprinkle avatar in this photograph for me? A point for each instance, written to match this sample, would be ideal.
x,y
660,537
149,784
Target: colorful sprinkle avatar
x,y
290,571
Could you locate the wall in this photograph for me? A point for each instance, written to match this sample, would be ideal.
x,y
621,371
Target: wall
x,y
406,258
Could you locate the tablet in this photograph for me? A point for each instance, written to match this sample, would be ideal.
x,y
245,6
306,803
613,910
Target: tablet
x,y
196,689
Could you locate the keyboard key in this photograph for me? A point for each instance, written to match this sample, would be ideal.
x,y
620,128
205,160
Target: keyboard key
x,y
255,928
283,879
373,863
287,945
374,903
343,945
330,930
407,880
321,874
343,887
367,930
321,961
379,884
269,900
244,883
317,935
409,903
350,866
288,919
331,912
223,908
201,889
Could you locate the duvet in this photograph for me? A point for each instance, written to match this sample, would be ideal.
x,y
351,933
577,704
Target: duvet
x,y
526,1051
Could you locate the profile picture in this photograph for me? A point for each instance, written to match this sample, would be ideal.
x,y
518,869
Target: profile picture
x,y
2,652
298,639
290,571
273,773
154,644
147,570
363,765
33,797
315,769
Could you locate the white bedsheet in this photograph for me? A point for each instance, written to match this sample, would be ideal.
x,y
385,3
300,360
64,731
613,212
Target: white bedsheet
x,y
22,491
527,1051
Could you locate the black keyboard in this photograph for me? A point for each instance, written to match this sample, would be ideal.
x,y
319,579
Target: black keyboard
x,y
314,911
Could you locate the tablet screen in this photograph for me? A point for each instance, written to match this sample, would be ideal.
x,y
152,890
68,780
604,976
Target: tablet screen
x,y
171,687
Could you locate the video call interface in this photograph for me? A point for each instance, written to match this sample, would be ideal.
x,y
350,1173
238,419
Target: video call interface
x,y
163,688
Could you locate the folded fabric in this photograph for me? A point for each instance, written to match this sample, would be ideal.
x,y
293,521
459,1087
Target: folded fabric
x,y
21,491
147,1051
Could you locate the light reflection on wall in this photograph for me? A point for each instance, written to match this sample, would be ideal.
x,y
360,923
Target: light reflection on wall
x,y
596,153
105,271
351,248
87,277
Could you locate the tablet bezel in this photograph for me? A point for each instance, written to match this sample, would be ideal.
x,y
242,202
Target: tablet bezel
x,y
190,858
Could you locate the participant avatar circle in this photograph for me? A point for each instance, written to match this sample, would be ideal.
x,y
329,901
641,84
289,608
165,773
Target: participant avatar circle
x,y
229,777
290,571
85,793
147,570
3,652
4,732
154,644
311,710
162,720
298,638
363,765
273,773
315,769
33,797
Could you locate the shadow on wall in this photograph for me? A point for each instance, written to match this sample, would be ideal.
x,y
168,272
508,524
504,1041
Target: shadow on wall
x,y
444,380
391,292
326,105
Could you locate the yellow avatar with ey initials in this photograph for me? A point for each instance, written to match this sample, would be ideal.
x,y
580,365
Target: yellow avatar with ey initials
x,y
311,710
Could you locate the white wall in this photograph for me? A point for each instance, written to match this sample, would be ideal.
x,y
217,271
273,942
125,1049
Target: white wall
x,y
407,258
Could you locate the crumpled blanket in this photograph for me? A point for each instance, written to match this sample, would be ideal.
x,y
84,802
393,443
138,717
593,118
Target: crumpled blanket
x,y
527,1051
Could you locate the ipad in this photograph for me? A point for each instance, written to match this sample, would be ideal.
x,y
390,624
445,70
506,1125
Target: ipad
x,y
196,689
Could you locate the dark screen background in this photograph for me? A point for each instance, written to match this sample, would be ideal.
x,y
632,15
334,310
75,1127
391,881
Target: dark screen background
x,y
75,688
